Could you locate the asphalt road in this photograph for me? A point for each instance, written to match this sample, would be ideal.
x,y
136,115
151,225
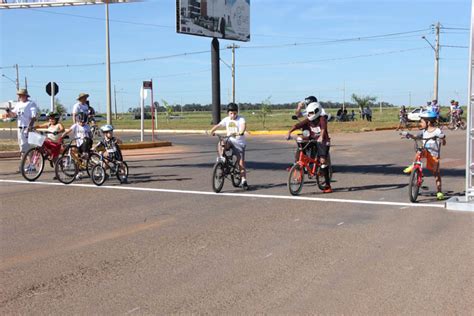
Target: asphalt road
x,y
165,244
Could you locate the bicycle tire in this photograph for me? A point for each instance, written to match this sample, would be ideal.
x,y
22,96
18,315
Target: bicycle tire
x,y
92,160
295,179
462,125
98,175
413,187
122,171
235,174
32,164
66,169
218,177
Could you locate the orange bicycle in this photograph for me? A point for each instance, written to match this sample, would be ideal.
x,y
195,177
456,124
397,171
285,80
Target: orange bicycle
x,y
306,165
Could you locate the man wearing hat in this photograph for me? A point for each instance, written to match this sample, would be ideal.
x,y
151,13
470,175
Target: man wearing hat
x,y
25,111
80,107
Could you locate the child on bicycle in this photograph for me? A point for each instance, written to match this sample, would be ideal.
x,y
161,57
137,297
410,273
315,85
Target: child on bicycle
x,y
432,146
235,126
110,143
82,134
316,124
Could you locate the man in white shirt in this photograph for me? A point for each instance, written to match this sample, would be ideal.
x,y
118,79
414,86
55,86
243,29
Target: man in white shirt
x,y
26,112
80,107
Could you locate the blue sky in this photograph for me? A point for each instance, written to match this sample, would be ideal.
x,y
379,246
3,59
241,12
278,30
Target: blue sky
x,y
389,67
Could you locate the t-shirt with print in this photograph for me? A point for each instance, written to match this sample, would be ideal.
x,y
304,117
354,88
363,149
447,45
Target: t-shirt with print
x,y
315,127
432,145
25,111
80,132
235,127
112,148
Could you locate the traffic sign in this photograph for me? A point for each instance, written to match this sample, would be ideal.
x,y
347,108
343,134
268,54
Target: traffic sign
x,y
52,88
147,85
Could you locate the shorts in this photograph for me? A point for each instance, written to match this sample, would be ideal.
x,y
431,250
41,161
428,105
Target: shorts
x,y
86,145
323,149
237,148
432,163
23,139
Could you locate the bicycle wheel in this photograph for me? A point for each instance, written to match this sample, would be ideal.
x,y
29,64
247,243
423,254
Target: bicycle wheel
x,y
235,175
451,125
98,175
462,125
414,185
320,179
122,171
218,176
32,164
296,179
66,169
92,160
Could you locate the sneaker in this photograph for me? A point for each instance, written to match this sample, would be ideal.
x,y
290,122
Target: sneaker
x,y
440,196
79,175
245,185
327,189
220,159
408,169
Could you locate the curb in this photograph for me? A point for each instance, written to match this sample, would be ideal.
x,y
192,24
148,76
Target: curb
x,y
9,154
145,145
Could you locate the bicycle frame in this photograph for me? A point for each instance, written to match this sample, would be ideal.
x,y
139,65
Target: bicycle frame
x,y
304,160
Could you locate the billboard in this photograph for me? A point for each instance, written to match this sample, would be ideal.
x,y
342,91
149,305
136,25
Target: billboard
x,y
226,19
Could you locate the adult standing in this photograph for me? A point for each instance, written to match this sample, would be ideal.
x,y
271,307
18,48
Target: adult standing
x,y
368,113
26,111
80,107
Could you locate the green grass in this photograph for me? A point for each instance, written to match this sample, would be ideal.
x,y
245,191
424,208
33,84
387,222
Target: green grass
x,y
277,120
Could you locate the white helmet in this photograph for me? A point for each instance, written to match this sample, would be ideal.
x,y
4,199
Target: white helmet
x,y
314,110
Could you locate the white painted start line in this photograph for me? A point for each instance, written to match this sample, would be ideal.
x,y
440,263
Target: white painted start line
x,y
261,196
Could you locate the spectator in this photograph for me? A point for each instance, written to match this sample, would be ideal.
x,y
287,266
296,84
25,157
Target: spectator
x,y
80,107
368,114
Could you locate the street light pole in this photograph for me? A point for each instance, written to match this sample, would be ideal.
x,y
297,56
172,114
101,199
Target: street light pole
x,y
107,49
17,78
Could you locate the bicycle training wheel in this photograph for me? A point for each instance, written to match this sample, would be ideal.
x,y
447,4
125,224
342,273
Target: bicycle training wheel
x,y
122,171
92,160
98,175
296,179
235,175
218,176
414,185
32,164
66,169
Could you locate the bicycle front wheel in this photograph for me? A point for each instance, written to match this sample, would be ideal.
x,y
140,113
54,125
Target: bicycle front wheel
x,y
92,160
122,171
218,176
414,185
32,164
98,175
66,169
296,179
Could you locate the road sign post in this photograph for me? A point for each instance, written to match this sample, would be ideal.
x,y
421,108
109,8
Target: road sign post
x,y
52,89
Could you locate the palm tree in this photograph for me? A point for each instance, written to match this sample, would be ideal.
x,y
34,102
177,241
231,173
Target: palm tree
x,y
363,101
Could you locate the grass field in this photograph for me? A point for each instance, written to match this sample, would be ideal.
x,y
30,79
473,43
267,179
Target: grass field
x,y
276,120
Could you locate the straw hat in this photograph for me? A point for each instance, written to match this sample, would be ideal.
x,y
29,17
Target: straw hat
x,y
22,92
82,95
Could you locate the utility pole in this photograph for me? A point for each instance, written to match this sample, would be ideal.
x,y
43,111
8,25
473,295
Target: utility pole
x,y
26,84
344,96
436,51
17,78
108,104
233,47
409,99
115,101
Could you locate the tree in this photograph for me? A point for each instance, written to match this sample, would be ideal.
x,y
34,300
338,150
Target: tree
x,y
363,101
60,108
265,110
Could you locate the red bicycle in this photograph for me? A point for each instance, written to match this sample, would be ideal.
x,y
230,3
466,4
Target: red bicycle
x,y
32,163
416,175
306,165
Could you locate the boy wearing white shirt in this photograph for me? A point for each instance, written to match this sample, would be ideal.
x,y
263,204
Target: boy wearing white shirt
x,y
235,126
82,133
26,112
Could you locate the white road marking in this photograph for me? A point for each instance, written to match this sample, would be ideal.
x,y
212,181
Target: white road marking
x,y
269,255
248,195
340,223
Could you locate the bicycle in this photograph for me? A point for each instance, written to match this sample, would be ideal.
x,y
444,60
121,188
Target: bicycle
x,y
456,121
70,163
117,168
95,130
225,168
416,175
32,162
306,165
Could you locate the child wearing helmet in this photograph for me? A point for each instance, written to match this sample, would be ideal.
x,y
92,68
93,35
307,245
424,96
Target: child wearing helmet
x,y
110,143
235,126
316,123
432,153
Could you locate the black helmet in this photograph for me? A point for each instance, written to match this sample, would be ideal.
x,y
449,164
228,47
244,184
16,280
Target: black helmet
x,y
232,107
310,99
81,117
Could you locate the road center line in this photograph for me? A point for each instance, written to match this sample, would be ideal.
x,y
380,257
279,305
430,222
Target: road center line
x,y
262,196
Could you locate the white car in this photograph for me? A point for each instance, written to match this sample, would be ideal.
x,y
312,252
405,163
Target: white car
x,y
414,115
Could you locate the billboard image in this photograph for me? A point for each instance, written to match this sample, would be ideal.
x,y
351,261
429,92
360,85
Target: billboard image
x,y
227,19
